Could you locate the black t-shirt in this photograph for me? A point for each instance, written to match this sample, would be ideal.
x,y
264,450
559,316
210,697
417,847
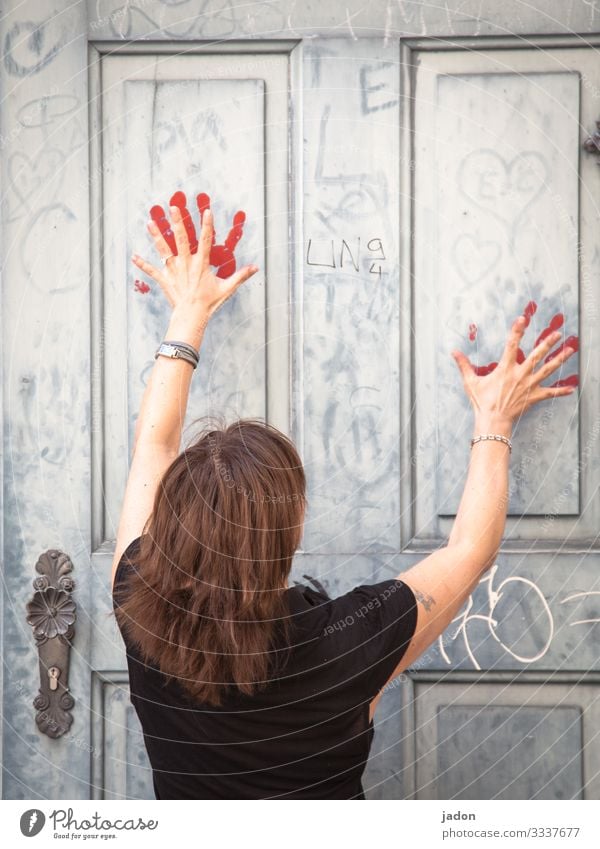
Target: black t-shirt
x,y
307,734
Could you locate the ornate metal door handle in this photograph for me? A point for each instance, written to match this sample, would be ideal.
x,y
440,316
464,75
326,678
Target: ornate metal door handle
x,y
52,614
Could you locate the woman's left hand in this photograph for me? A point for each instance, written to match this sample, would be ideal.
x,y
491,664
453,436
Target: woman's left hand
x,y
187,278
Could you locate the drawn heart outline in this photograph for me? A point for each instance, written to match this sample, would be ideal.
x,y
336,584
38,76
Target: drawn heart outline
x,y
489,161
469,257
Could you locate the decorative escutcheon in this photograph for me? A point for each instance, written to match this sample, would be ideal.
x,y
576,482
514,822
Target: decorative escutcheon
x,y
52,614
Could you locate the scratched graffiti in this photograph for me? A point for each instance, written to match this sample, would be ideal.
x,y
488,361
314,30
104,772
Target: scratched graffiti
x,y
44,228
507,618
486,235
196,19
34,181
346,254
475,257
499,176
352,195
350,265
495,622
583,596
504,189
375,95
29,46
293,19
36,170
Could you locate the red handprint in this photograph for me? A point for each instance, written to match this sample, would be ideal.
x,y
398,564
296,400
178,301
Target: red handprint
x,y
556,322
221,256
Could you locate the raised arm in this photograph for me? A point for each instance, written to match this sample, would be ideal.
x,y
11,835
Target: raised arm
x,y
195,292
443,581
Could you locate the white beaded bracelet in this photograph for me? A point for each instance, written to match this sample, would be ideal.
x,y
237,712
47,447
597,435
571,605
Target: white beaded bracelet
x,y
494,436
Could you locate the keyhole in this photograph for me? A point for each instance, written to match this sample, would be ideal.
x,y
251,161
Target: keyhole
x,y
53,675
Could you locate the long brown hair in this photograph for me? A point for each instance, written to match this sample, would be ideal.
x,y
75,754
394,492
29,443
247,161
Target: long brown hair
x,y
206,600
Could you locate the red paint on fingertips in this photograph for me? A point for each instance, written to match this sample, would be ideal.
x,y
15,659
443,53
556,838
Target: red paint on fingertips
x,y
570,342
529,311
235,234
141,287
572,380
481,371
203,202
221,256
179,200
223,259
556,323
545,332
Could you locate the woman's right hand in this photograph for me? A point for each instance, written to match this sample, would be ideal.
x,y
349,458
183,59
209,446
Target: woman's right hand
x,y
512,388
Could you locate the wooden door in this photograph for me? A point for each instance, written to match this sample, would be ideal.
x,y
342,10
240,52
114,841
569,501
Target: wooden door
x,y
504,211
158,122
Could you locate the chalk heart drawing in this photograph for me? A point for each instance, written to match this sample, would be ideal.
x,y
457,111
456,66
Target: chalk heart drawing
x,y
504,188
27,176
474,257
